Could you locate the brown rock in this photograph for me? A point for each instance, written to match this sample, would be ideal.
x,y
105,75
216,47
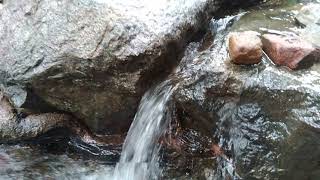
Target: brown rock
x,y
245,47
14,127
287,50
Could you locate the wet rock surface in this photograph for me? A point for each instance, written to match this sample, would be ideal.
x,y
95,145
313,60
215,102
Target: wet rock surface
x,y
289,50
95,59
54,133
245,47
186,150
17,125
257,114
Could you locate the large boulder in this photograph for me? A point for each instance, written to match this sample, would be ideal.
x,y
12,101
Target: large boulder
x,y
95,58
265,118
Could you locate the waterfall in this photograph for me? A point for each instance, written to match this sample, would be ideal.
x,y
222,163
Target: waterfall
x,y
139,157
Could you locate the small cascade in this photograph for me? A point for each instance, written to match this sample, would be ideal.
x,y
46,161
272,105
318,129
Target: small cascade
x,y
139,157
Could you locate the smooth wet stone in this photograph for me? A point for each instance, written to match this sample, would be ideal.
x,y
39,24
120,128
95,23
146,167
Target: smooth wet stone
x,y
182,150
265,119
257,115
245,47
288,50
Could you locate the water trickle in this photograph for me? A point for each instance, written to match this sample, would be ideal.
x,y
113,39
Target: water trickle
x,y
139,157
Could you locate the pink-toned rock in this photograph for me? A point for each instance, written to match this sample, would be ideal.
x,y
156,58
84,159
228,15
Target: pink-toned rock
x,y
287,50
245,47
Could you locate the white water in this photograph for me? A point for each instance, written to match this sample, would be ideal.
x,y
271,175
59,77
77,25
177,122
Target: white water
x,y
139,157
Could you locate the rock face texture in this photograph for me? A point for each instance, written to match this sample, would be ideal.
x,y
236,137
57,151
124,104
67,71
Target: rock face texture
x,y
95,58
245,47
261,116
16,128
288,50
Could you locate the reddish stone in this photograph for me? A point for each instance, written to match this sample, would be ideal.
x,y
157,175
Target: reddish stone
x,y
245,47
287,50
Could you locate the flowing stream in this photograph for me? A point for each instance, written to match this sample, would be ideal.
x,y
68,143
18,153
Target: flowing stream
x,y
139,157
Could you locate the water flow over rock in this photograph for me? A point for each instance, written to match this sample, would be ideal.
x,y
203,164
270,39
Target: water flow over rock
x,y
266,117
139,158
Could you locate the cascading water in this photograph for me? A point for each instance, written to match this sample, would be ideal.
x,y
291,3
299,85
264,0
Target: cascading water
x,y
139,157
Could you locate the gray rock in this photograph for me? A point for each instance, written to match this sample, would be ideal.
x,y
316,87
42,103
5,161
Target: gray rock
x,y
15,128
266,118
18,124
16,94
95,58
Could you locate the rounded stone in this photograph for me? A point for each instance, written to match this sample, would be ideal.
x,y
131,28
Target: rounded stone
x,y
245,47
